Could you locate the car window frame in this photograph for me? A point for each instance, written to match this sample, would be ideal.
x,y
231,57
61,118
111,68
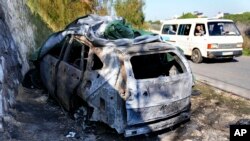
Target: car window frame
x,y
68,50
66,43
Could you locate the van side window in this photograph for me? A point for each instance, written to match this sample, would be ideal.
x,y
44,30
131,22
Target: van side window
x,y
184,29
169,29
199,30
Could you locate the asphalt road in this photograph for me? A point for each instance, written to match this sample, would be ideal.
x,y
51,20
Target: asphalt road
x,y
232,76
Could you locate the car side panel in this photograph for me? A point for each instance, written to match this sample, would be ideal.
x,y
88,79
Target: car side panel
x,y
68,77
47,70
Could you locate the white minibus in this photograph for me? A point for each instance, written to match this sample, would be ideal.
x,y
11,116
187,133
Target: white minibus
x,y
203,37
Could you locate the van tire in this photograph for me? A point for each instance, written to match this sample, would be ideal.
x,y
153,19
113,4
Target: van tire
x,y
196,56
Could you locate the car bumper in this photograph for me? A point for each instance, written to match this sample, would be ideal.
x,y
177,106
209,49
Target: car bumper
x,y
224,54
158,125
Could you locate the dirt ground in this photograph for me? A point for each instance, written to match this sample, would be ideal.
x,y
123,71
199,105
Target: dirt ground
x,y
38,117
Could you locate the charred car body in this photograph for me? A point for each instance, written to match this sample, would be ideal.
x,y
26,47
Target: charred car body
x,y
134,85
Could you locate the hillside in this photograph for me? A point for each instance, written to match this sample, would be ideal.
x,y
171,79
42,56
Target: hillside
x,y
243,23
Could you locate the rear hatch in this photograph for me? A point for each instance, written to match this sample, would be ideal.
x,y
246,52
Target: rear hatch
x,y
159,86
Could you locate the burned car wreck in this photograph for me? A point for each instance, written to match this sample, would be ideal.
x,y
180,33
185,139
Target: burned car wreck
x,y
135,85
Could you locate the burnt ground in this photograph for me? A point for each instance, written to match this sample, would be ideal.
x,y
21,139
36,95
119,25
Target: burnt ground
x,y
38,117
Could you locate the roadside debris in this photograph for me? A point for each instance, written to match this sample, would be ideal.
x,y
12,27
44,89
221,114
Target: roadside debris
x,y
31,120
243,122
196,92
42,99
81,114
71,134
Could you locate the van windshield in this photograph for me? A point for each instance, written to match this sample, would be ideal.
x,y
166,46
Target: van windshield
x,y
222,29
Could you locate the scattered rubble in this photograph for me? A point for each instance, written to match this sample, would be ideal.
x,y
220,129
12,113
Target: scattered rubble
x,y
211,116
71,135
243,122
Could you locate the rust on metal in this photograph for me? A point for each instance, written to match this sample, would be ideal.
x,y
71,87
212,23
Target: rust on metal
x,y
135,89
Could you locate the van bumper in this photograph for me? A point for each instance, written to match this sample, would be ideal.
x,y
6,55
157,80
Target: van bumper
x,y
224,54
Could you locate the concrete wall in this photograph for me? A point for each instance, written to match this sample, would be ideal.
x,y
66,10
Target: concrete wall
x,y
17,40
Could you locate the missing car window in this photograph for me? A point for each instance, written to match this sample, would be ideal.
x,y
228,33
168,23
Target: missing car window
x,y
57,49
74,56
156,65
97,63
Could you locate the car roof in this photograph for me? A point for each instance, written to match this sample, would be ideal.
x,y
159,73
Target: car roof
x,y
133,48
147,47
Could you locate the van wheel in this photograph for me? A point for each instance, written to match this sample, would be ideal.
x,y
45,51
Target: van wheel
x,y
230,59
196,56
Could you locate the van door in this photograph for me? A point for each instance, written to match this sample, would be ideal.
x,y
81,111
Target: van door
x,y
198,39
182,38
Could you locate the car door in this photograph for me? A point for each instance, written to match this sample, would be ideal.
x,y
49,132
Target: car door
x,y
49,63
70,72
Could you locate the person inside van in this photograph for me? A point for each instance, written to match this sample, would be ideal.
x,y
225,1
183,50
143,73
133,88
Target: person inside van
x,y
216,30
171,30
187,29
199,30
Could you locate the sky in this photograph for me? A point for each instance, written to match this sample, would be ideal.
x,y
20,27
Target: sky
x,y
167,9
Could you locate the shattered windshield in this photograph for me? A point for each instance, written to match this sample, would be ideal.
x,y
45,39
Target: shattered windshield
x,y
222,29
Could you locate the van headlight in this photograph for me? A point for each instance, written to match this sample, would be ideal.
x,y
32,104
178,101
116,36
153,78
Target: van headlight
x,y
212,46
239,45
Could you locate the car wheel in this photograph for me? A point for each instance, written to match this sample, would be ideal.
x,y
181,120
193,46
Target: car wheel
x,y
196,56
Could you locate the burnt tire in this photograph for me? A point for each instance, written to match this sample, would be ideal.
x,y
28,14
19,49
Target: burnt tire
x,y
196,56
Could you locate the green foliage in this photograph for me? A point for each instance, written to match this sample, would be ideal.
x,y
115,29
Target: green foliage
x,y
132,11
243,21
243,18
246,45
154,22
155,25
58,13
187,16
246,51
